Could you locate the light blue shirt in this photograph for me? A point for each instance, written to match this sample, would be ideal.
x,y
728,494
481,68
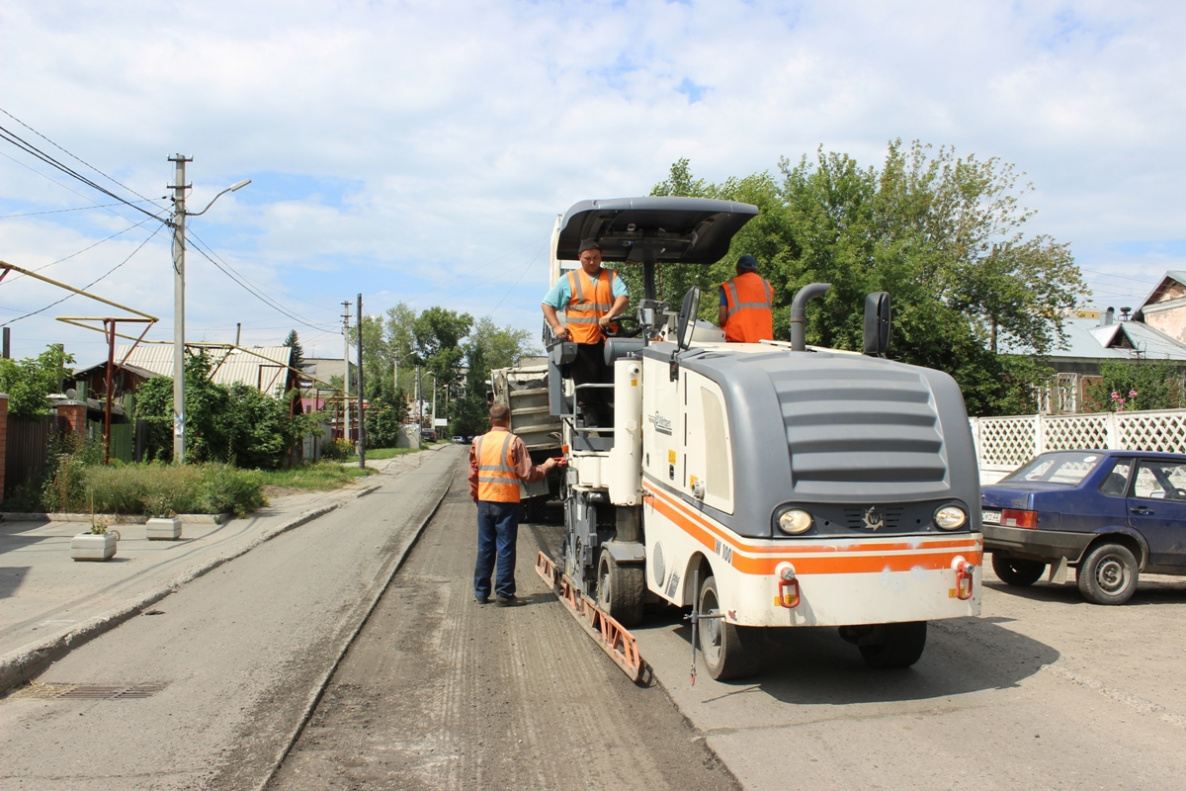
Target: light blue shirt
x,y
560,294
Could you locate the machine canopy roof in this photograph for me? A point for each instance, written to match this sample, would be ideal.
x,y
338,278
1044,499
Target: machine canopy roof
x,y
654,229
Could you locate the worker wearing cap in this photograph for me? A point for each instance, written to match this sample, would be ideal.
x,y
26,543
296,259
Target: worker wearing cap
x,y
592,297
498,460
746,301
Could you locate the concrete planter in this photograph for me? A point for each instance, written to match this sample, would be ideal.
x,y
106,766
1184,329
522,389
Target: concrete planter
x,y
88,546
161,528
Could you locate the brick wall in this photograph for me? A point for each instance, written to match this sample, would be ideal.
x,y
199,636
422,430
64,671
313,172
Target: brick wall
x,y
75,412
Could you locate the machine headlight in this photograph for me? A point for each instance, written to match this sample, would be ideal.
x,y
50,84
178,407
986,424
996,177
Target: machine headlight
x,y
950,517
794,521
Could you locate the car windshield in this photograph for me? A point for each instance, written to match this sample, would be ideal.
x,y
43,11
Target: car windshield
x,y
1066,467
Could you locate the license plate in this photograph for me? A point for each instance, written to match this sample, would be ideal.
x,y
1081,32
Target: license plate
x,y
990,517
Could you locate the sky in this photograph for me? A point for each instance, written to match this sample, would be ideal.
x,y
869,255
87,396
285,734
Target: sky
x,y
419,151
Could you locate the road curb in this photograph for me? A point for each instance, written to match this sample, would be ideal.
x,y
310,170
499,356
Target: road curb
x,y
23,664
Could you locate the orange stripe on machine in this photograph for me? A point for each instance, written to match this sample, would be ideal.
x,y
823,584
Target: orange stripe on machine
x,y
839,556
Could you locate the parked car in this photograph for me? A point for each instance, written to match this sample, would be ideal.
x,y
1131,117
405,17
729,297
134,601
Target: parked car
x,y
457,440
1110,514
429,435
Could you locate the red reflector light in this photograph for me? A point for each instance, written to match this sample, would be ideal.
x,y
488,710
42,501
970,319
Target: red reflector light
x,y
1015,517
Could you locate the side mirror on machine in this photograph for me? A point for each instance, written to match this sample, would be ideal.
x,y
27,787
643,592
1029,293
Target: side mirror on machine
x,y
877,323
687,318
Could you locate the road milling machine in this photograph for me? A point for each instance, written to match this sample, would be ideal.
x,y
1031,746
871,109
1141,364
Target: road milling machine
x,y
763,485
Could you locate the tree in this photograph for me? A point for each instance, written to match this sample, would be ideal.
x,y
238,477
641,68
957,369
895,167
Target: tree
x,y
27,382
942,234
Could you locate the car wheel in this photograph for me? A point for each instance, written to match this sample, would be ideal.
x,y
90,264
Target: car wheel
x,y
1017,572
1108,575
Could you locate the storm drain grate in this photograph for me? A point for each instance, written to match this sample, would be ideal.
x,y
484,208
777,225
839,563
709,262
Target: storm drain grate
x,y
88,691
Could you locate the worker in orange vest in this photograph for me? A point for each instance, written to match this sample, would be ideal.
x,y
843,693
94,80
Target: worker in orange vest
x,y
497,462
592,298
746,301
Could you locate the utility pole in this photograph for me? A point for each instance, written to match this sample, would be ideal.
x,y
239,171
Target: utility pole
x,y
179,188
362,430
346,375
419,402
178,223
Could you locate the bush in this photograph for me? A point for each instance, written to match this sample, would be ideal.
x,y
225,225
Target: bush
x,y
153,489
337,450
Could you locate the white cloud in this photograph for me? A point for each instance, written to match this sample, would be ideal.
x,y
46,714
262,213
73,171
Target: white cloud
x,y
409,150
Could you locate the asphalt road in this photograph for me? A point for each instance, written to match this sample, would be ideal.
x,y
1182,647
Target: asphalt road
x,y
440,692
1044,691
232,660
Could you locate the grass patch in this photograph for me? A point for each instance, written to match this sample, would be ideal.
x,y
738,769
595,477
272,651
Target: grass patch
x,y
382,453
320,477
153,489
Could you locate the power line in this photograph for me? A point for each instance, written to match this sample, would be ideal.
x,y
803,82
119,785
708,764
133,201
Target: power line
x,y
19,275
84,162
88,285
210,256
29,148
63,211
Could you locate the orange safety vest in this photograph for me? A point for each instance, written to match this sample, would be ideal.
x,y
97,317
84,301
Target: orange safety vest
x,y
497,479
748,319
590,301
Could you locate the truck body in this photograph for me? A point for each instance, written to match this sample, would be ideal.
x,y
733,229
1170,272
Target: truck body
x,y
523,388
768,484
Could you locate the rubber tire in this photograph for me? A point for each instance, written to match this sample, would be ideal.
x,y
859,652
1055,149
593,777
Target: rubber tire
x,y
729,651
1017,572
620,589
1108,574
894,645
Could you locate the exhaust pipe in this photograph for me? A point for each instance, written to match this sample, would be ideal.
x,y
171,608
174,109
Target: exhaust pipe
x,y
799,313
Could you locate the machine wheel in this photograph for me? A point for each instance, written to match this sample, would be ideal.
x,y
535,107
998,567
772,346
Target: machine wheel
x,y
1016,572
891,645
620,589
730,651
1108,575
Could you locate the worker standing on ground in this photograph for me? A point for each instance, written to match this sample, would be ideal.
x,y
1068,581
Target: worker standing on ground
x,y
497,461
746,301
592,298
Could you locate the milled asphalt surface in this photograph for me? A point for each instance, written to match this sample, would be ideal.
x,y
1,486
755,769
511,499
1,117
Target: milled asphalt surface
x,y
50,604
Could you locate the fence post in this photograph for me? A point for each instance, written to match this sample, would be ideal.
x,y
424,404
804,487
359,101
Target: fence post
x,y
3,439
75,414
1114,431
1039,435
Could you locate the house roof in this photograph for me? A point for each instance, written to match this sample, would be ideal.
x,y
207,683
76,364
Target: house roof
x,y
1124,340
262,367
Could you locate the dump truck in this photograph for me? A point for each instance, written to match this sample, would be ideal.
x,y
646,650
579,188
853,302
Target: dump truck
x,y
523,388
768,485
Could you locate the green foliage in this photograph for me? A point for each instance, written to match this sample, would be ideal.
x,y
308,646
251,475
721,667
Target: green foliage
x,y
152,489
382,427
942,234
27,382
1144,384
338,449
236,424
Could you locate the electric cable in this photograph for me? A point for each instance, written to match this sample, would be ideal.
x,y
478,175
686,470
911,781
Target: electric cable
x,y
88,285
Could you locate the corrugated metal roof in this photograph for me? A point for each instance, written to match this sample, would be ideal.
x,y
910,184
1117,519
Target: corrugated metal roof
x,y
247,366
1089,339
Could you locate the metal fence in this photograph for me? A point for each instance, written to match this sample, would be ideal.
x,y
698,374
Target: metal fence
x,y
27,453
1005,443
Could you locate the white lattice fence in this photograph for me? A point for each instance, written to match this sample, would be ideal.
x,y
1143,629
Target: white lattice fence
x,y
1005,443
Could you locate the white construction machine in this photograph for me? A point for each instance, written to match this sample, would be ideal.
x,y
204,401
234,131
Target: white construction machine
x,y
765,485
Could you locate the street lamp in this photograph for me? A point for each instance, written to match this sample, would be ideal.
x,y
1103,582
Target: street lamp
x,y
178,223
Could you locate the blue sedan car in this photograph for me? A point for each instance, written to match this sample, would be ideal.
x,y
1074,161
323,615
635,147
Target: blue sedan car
x,y
1110,514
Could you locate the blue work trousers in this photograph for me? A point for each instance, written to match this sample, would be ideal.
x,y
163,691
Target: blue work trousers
x,y
498,530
